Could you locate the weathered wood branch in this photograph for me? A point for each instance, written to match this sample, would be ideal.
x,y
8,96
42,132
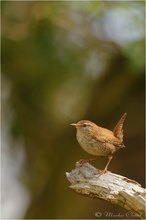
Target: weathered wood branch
x,y
109,186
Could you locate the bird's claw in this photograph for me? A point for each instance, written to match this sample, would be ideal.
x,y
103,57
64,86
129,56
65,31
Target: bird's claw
x,y
100,172
82,161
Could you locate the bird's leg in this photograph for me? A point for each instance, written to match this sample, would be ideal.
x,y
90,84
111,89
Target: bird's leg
x,y
109,160
82,161
92,159
105,169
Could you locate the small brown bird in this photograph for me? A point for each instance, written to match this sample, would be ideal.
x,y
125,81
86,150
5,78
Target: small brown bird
x,y
100,141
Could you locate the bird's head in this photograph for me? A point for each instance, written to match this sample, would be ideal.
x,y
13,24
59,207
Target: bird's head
x,y
84,125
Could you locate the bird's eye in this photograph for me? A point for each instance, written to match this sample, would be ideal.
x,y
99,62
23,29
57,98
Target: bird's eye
x,y
84,125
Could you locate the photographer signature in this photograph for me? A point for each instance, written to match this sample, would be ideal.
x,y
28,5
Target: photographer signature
x,y
108,214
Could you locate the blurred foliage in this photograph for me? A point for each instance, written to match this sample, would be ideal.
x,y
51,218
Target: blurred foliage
x,y
66,61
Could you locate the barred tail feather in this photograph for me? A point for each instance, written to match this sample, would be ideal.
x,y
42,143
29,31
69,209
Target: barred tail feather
x,y
118,129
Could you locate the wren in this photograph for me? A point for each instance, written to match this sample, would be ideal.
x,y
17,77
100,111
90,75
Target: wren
x,y
99,141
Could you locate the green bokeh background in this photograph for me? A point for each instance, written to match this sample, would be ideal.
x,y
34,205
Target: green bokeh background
x,y
60,65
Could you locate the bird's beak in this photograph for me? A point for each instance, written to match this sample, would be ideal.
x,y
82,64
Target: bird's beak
x,y
73,124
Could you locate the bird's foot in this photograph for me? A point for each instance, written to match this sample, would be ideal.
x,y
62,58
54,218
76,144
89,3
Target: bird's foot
x,y
100,172
91,159
82,161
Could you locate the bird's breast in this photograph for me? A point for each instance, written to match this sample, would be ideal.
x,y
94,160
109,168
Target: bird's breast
x,y
93,146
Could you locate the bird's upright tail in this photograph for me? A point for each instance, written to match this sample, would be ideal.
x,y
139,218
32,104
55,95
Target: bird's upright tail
x,y
118,129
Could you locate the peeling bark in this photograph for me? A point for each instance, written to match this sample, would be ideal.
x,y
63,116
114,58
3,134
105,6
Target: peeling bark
x,y
111,187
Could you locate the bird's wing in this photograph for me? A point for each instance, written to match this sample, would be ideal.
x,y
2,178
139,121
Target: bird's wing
x,y
113,141
118,129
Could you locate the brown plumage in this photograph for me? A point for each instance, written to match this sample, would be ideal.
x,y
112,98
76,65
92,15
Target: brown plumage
x,y
100,141
118,129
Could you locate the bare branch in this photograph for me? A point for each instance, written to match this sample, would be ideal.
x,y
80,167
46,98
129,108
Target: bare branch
x,y
109,186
